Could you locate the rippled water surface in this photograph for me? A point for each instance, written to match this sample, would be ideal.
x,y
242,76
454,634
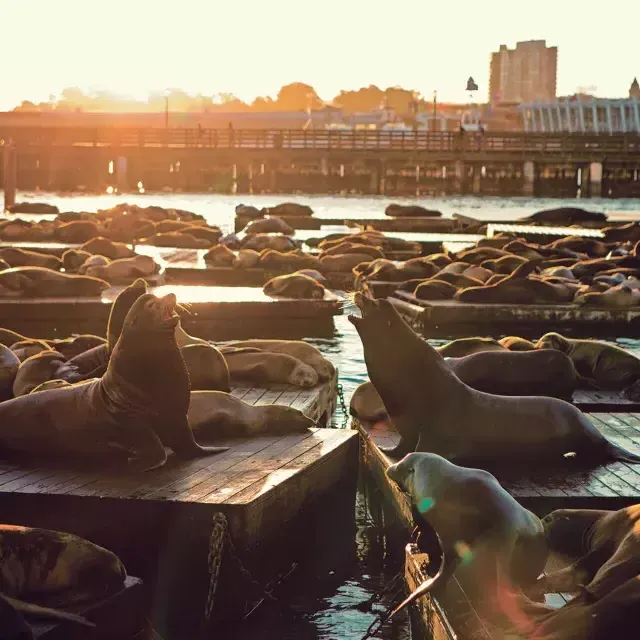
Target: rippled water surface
x,y
325,600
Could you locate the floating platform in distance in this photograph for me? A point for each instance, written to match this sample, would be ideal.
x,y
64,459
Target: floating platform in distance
x,y
452,319
166,515
122,615
542,233
219,313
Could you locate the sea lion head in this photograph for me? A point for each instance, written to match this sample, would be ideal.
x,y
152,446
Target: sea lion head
x,y
569,531
121,307
414,474
150,314
14,281
283,420
552,341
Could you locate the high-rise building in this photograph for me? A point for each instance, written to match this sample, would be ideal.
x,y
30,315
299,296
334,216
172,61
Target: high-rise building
x,y
524,74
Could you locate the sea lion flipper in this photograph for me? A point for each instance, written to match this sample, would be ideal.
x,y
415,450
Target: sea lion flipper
x,y
181,441
44,613
148,450
403,447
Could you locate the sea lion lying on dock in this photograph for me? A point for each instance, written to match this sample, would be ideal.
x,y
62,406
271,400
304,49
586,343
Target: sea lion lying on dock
x,y
9,365
15,257
433,410
37,369
207,368
214,414
108,248
140,404
124,270
491,543
294,285
39,282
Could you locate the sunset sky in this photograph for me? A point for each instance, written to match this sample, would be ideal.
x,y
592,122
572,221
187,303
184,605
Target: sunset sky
x,y
252,47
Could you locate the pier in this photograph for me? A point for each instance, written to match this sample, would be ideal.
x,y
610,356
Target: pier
x,y
323,161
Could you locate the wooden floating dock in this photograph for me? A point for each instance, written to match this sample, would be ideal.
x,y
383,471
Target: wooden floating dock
x,y
118,616
453,319
160,522
220,313
542,233
450,616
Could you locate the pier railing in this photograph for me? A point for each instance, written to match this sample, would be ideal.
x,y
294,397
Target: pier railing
x,y
325,140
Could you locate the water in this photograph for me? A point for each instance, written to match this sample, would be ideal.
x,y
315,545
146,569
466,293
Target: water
x,y
325,598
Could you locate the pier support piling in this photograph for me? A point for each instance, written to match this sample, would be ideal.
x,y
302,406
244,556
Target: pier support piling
x,y
595,179
529,177
10,173
121,174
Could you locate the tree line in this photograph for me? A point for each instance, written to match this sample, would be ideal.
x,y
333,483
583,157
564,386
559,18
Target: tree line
x,y
296,96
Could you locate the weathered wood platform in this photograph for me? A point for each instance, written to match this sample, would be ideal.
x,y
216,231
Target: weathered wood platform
x,y
603,401
122,615
452,319
540,233
160,522
221,313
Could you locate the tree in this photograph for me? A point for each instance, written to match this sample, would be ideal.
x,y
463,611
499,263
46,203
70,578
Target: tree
x,y
364,99
298,96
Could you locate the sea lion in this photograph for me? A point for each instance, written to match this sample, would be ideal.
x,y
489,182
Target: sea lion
x,y
366,404
37,369
599,365
15,257
303,351
269,368
504,265
515,343
294,285
433,410
39,282
435,290
78,231
56,569
70,347
272,224
246,259
51,384
344,262
278,261
4,265
27,348
139,405
565,216
107,248
316,275
607,546
292,209
9,365
214,414
345,248
207,367
73,259
621,296
220,256
203,232
177,239
491,543
467,346
518,373
93,261
124,269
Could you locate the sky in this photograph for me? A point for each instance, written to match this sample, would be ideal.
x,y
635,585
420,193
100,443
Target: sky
x,y
253,47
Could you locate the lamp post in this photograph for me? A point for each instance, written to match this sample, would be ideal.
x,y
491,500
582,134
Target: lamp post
x,y
435,108
166,109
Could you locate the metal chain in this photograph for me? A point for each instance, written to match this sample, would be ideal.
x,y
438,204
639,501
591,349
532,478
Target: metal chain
x,y
381,618
343,407
216,548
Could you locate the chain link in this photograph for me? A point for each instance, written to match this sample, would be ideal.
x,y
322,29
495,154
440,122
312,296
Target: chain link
x,y
216,548
343,407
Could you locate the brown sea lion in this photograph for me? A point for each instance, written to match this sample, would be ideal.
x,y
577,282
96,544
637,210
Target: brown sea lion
x,y
548,428
27,348
73,259
599,365
264,367
366,404
93,261
621,296
51,384
606,544
70,347
294,285
270,259
56,569
467,346
105,247
272,224
15,257
77,231
515,343
4,265
214,414
343,263
491,543
504,265
207,368
435,289
140,404
8,337
480,254
316,275
346,248
39,282
220,256
299,349
211,234
246,259
176,239
124,270
35,370
9,365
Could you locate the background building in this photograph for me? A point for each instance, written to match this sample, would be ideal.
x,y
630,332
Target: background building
x,y
524,74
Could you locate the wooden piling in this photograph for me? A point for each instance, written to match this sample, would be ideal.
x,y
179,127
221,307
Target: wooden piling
x,y
10,173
